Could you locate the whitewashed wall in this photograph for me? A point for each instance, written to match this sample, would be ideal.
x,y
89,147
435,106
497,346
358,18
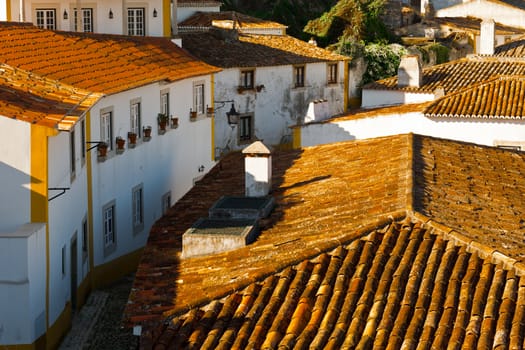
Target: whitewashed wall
x,y
277,106
66,214
501,13
3,10
102,22
168,162
484,132
15,169
378,98
23,284
184,13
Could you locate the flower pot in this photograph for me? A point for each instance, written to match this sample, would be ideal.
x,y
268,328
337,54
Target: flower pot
x,y
147,132
132,138
174,123
209,112
193,116
162,125
120,143
102,149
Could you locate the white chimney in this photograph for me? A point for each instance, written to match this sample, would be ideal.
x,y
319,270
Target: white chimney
x,y
410,72
258,170
487,37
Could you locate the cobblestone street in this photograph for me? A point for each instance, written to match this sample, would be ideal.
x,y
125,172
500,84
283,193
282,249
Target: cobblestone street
x,y
98,325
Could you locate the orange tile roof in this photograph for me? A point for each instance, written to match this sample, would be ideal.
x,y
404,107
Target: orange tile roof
x,y
498,98
205,19
456,75
96,62
33,99
514,48
255,50
473,24
442,214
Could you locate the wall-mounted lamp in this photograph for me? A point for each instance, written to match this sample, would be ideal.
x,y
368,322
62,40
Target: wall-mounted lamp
x,y
232,115
110,14
65,15
201,169
154,12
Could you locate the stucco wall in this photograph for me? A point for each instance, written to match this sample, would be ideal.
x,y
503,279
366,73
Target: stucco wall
x,y
277,106
23,285
483,132
168,162
377,98
15,169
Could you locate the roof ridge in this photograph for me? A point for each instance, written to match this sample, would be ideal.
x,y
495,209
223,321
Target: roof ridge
x,y
473,246
410,191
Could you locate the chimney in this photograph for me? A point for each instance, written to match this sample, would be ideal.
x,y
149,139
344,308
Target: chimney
x,y
487,37
258,170
410,73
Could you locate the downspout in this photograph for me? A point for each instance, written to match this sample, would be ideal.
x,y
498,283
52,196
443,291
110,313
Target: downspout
x,y
174,26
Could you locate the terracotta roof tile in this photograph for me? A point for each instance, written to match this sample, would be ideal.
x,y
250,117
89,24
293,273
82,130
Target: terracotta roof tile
x,y
96,62
457,75
242,21
327,273
251,50
473,24
498,98
33,99
514,48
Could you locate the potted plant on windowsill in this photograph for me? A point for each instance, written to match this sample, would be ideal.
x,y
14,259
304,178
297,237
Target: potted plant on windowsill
x,y
102,149
193,115
147,133
163,120
120,144
132,137
209,112
174,122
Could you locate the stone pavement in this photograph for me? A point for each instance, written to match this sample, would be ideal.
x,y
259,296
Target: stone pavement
x,y
84,321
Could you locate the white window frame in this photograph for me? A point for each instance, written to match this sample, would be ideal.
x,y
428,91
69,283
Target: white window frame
x,y
109,228
165,102
87,20
136,21
299,76
332,71
106,127
46,18
137,208
135,116
198,97
72,154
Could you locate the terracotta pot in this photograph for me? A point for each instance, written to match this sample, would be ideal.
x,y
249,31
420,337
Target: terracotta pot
x,y
102,149
147,132
120,143
132,138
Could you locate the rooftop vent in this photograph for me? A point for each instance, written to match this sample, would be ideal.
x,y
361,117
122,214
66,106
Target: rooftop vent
x,y
210,236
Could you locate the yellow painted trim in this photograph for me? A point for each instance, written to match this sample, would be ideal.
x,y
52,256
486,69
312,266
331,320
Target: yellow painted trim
x,y
59,329
166,18
39,344
106,274
296,137
8,10
39,185
89,173
83,291
212,96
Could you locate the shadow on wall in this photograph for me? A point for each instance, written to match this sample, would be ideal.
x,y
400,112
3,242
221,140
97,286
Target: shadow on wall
x,y
323,133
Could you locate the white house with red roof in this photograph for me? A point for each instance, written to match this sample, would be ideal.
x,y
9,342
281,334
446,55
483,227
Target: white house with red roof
x,y
89,166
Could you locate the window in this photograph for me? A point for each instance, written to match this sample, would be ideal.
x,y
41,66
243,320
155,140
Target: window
x,y
135,117
87,20
298,76
247,79
138,209
245,128
85,242
63,261
332,73
46,18
198,98
83,140
106,127
136,21
165,103
166,202
108,220
72,152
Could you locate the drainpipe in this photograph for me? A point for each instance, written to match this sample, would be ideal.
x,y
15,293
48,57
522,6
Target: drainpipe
x,y
174,26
